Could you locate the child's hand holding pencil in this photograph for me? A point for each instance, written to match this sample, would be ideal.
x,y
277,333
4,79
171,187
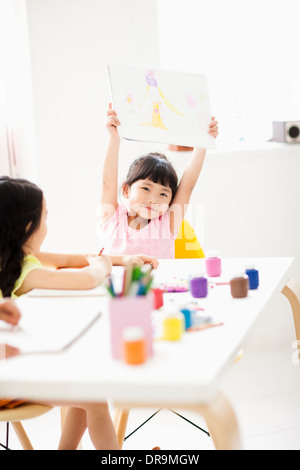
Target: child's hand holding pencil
x,y
141,259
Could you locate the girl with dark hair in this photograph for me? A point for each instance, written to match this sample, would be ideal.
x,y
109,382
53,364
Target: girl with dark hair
x,y
156,203
23,228
23,267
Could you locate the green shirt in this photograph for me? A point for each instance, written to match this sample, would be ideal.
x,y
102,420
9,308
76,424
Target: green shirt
x,y
30,263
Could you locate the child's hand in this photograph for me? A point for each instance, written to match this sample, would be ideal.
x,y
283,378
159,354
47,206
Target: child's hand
x,y
213,128
112,122
9,312
141,259
104,259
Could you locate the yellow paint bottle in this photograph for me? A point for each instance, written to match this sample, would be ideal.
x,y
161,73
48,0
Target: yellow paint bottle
x,y
173,325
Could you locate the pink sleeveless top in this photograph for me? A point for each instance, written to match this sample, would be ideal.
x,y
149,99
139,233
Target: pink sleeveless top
x,y
155,239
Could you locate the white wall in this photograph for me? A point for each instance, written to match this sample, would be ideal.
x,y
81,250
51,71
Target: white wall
x,y
16,107
71,43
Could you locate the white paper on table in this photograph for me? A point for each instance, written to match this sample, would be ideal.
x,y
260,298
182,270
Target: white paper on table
x,y
49,326
161,106
100,290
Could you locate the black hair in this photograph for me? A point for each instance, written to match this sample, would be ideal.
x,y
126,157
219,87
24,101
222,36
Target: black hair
x,y
21,205
155,167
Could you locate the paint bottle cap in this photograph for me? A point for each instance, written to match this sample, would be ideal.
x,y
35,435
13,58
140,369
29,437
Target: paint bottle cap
x,y
133,333
212,254
238,275
250,266
198,275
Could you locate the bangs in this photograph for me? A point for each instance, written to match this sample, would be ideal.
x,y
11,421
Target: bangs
x,y
160,173
156,168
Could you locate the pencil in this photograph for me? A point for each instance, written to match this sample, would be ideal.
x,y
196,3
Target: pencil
x,y
204,327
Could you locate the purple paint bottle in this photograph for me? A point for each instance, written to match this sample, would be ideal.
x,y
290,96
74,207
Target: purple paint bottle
x,y
198,286
213,264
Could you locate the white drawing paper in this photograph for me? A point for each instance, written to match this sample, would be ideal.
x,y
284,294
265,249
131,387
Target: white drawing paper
x,y
49,326
161,106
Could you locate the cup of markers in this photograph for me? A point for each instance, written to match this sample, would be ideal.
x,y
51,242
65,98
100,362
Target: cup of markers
x,y
130,315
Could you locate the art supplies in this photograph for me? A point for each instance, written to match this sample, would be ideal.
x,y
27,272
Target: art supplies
x,y
175,285
130,307
173,325
137,281
239,285
253,275
187,313
213,264
134,345
58,327
198,286
130,311
158,297
205,326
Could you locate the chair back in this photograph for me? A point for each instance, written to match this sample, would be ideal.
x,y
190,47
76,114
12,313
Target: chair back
x,y
187,244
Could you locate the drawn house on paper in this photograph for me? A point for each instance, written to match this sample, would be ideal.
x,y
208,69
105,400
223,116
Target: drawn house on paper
x,y
161,106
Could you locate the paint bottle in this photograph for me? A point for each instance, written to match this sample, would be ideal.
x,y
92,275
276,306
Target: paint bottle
x,y
213,264
239,285
134,345
173,324
187,313
253,275
198,286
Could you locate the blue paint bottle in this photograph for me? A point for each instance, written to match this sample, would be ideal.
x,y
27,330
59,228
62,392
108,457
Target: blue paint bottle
x,y
187,317
253,275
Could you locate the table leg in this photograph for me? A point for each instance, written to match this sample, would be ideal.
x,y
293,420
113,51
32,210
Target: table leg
x,y
222,424
219,416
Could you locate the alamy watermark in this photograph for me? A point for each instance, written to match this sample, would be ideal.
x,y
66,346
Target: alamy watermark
x,y
193,212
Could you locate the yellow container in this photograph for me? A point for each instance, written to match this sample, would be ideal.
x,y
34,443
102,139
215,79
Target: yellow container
x,y
173,326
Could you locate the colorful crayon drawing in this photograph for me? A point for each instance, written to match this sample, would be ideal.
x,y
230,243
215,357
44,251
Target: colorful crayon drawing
x,y
161,106
154,93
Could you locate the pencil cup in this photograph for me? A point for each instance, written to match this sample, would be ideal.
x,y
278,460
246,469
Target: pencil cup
x,y
127,312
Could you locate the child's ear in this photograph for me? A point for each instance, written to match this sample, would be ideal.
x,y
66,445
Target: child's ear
x,y
125,191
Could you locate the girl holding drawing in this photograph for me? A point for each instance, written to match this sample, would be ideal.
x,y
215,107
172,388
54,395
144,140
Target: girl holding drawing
x,y
156,203
24,267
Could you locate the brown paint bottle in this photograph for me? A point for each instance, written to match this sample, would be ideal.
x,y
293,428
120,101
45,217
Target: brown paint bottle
x,y
239,285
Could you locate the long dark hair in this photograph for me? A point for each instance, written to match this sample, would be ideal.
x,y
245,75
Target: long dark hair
x,y
156,168
21,205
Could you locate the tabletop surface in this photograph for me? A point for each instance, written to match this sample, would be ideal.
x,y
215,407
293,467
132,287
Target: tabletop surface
x,y
188,370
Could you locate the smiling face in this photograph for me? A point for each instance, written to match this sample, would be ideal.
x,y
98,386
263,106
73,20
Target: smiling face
x,y
148,199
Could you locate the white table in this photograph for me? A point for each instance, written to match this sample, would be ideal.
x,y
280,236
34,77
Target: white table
x,y
183,374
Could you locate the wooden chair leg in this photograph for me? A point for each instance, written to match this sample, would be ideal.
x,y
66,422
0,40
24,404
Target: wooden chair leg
x,y
22,436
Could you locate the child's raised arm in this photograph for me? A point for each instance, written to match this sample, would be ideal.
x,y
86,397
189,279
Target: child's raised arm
x,y
187,183
109,186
